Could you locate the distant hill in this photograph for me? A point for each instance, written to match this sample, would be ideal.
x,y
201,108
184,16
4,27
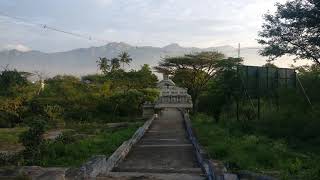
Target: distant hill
x,y
83,61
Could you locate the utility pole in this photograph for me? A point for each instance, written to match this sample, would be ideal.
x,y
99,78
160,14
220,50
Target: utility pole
x,y
239,50
237,98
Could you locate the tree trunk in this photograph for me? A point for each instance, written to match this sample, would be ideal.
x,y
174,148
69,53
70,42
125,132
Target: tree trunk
x,y
195,103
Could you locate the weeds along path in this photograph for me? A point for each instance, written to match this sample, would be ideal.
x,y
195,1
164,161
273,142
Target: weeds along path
x,y
164,152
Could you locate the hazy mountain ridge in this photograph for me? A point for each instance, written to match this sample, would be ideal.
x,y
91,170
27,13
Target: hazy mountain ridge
x,y
83,60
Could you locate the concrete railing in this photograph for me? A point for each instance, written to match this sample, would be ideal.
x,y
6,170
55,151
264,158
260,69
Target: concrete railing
x,y
204,163
125,148
100,164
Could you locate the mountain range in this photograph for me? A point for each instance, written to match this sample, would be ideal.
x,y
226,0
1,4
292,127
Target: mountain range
x,y
83,60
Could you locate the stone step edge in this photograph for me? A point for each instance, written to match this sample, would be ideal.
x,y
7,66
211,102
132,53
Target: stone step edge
x,y
102,165
153,176
144,171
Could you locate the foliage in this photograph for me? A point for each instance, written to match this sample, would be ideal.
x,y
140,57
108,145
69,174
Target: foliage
x,y
124,58
110,65
94,78
11,82
15,92
194,71
9,138
143,78
292,30
54,114
221,90
136,98
32,141
270,65
287,117
92,101
254,152
310,79
66,154
11,159
104,64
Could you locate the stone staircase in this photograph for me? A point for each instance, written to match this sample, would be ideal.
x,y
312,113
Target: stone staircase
x,y
164,152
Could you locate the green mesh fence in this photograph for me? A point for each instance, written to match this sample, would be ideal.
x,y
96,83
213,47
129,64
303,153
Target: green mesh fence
x,y
263,81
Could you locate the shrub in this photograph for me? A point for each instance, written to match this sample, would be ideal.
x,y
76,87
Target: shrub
x,y
7,120
67,137
32,141
54,114
7,159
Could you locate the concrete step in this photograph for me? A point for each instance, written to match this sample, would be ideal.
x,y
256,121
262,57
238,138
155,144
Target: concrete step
x,y
160,156
170,141
162,170
149,176
167,135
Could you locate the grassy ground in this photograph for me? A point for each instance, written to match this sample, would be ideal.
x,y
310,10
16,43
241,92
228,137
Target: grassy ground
x,y
66,154
241,151
79,142
9,138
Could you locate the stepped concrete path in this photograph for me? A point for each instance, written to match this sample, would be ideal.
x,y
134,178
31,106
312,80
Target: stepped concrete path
x,y
164,152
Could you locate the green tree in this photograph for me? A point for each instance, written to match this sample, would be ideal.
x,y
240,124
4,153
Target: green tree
x,y
221,90
115,64
292,30
310,80
110,65
270,65
134,79
12,81
94,78
124,58
194,71
104,64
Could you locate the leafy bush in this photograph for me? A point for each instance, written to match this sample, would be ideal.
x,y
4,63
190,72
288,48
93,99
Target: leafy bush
x,y
7,120
11,82
241,151
32,141
67,137
54,114
61,153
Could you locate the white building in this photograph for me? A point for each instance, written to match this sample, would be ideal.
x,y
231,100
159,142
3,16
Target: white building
x,y
171,96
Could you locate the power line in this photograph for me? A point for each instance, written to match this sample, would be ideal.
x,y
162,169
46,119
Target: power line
x,y
45,26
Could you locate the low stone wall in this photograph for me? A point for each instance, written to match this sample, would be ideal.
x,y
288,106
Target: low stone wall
x,y
124,149
100,164
96,165
221,172
211,169
90,169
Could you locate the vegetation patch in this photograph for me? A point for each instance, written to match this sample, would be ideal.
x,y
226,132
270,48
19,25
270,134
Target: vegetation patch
x,y
244,151
9,138
66,152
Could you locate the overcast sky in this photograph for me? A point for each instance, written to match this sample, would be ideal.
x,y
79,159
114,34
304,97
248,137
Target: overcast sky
x,y
198,23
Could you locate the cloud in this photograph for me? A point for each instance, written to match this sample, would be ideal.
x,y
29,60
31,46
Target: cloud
x,y
104,2
145,22
19,47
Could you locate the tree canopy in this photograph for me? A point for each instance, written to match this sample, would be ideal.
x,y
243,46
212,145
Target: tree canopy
x,y
12,81
292,30
193,71
109,65
124,58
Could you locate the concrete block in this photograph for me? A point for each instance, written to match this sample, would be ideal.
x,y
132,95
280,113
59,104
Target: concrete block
x,y
90,169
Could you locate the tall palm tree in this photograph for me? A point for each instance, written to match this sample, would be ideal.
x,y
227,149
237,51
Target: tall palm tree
x,y
124,58
115,64
103,64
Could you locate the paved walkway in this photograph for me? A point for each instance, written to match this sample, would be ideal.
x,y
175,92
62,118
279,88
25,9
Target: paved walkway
x,y
164,152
